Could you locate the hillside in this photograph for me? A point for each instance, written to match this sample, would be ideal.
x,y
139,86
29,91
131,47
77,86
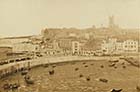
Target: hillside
x,y
97,35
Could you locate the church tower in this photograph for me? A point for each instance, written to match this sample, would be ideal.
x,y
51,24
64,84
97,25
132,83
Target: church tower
x,y
111,22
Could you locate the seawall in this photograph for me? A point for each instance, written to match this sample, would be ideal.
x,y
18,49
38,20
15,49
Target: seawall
x,y
16,66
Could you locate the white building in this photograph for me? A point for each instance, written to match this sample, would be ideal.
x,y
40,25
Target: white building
x,y
75,47
119,48
109,47
130,46
113,47
55,45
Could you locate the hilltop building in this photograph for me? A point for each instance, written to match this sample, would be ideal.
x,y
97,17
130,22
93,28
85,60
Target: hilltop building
x,y
111,23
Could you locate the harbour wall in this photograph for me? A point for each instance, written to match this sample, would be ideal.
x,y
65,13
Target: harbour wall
x,y
14,67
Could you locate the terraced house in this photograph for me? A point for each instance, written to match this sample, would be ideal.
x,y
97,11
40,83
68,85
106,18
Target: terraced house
x,y
112,46
130,46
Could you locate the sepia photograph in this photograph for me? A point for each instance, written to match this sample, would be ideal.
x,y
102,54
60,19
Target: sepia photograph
x,y
69,46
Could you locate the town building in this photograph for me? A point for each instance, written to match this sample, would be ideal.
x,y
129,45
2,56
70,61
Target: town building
x,y
55,45
130,46
119,48
65,44
109,47
112,46
75,47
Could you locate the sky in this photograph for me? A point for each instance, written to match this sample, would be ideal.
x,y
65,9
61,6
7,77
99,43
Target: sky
x,y
29,17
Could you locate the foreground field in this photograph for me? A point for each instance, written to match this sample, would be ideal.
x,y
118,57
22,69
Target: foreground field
x,y
80,76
